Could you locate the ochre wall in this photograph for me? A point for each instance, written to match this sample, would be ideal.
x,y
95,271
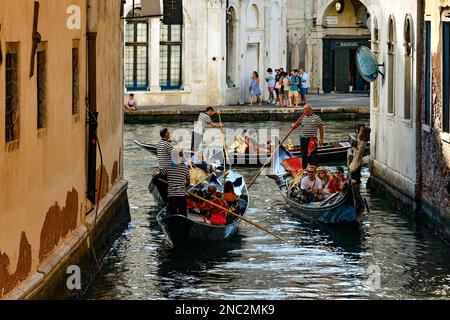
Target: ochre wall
x,y
43,181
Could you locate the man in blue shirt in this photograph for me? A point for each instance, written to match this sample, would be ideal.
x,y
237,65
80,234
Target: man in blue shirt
x,y
304,78
293,90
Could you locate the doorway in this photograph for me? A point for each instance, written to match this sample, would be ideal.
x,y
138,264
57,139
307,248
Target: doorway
x,y
252,63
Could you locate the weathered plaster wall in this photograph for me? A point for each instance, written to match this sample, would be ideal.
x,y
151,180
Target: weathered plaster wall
x,y
435,143
43,180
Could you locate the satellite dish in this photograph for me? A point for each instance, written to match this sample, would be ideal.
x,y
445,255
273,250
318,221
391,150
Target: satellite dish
x,y
367,64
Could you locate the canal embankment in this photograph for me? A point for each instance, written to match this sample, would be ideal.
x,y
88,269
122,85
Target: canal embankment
x,y
329,107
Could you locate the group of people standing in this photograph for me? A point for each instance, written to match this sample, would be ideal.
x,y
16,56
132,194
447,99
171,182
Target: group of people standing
x,y
285,89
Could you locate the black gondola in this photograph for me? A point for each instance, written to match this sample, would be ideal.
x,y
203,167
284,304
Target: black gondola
x,y
328,153
339,208
180,231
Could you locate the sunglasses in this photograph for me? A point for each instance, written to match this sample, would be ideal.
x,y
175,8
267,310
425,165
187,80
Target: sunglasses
x,y
338,173
310,172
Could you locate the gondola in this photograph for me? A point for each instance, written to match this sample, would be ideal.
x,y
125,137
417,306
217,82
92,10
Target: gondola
x,y
181,231
328,153
338,209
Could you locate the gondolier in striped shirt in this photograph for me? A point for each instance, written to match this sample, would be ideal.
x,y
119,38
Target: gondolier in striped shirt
x,y
308,136
178,178
164,150
204,120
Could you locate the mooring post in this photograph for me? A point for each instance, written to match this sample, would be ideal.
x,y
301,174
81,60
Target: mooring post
x,y
356,163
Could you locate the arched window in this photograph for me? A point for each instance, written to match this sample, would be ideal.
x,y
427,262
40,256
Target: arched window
x,y
376,51
408,67
136,51
391,66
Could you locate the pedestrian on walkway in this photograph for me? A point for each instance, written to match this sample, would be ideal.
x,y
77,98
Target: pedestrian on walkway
x,y
308,136
286,90
294,87
204,119
270,79
304,87
255,90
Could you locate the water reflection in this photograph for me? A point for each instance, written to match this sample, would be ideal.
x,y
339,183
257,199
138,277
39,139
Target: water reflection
x,y
317,262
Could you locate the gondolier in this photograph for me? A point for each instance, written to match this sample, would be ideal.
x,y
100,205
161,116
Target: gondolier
x,y
178,178
308,136
204,120
164,150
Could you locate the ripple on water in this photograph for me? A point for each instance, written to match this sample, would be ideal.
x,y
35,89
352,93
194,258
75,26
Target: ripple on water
x,y
317,262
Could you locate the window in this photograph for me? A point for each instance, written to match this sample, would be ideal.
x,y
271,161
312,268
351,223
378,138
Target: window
x,y
427,118
170,57
75,78
12,92
446,76
136,52
391,66
408,68
41,85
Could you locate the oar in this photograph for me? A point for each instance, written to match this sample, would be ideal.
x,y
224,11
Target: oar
x,y
273,153
227,159
231,212
236,215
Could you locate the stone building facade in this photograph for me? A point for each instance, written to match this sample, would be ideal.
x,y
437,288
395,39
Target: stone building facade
x,y
435,124
208,58
323,36
47,172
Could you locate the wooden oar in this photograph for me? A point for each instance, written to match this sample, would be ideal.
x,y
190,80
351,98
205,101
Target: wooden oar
x,y
236,215
227,159
275,151
231,212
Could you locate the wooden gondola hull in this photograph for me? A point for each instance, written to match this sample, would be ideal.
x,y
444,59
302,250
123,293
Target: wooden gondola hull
x,y
326,154
346,211
181,231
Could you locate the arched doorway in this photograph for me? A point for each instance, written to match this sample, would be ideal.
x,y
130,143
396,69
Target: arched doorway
x,y
232,30
275,39
345,26
252,59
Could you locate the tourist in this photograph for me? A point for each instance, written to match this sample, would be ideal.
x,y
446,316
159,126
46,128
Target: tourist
x,y
312,186
204,119
308,136
304,87
279,90
178,178
293,90
255,90
337,182
277,79
228,193
215,215
131,104
270,79
286,90
323,176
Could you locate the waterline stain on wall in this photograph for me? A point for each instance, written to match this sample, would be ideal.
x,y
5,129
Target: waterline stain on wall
x,y
104,185
7,280
58,223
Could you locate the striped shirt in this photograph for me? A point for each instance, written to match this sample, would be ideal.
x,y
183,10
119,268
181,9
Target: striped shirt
x,y
203,120
164,149
176,178
309,126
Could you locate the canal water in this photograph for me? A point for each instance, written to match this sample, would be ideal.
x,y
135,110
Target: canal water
x,y
390,256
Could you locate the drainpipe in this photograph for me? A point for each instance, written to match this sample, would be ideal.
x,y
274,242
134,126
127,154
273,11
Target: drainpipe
x,y
419,99
92,99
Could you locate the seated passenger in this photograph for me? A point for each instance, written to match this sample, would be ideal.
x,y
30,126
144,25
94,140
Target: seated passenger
x,y
337,182
228,193
312,186
214,214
